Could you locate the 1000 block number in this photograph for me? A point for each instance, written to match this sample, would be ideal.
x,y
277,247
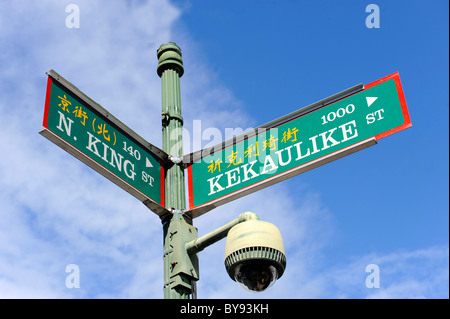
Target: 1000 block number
x,y
330,117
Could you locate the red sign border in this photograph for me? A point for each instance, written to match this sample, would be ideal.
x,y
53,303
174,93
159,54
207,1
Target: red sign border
x,y
407,123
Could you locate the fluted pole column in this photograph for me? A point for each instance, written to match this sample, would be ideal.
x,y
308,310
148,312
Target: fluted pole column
x,y
180,269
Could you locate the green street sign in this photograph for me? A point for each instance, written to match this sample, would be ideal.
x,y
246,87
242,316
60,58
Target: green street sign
x,y
90,133
294,144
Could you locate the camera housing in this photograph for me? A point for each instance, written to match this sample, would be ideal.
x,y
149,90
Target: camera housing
x,y
255,255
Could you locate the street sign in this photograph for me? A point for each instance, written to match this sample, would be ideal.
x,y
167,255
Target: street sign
x,y
297,143
90,133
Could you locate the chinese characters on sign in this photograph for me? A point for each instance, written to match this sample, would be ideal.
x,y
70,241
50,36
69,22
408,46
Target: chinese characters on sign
x,y
284,150
95,139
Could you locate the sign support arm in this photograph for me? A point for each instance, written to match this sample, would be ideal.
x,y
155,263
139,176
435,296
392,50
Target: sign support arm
x,y
201,243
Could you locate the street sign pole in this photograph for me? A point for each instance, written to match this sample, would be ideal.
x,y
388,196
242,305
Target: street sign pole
x,y
180,269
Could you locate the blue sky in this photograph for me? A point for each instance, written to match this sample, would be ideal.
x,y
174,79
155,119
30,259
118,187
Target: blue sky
x,y
246,63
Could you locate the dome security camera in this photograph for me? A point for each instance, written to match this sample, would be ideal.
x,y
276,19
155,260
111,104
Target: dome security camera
x,y
254,255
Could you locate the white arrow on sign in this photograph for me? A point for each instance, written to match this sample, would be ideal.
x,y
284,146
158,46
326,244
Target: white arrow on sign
x,y
370,100
148,163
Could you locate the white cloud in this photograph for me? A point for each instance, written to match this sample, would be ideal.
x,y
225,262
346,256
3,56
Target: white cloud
x,y
55,211
421,273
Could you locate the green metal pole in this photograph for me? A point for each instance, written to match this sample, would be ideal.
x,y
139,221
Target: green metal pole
x,y
180,269
170,69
